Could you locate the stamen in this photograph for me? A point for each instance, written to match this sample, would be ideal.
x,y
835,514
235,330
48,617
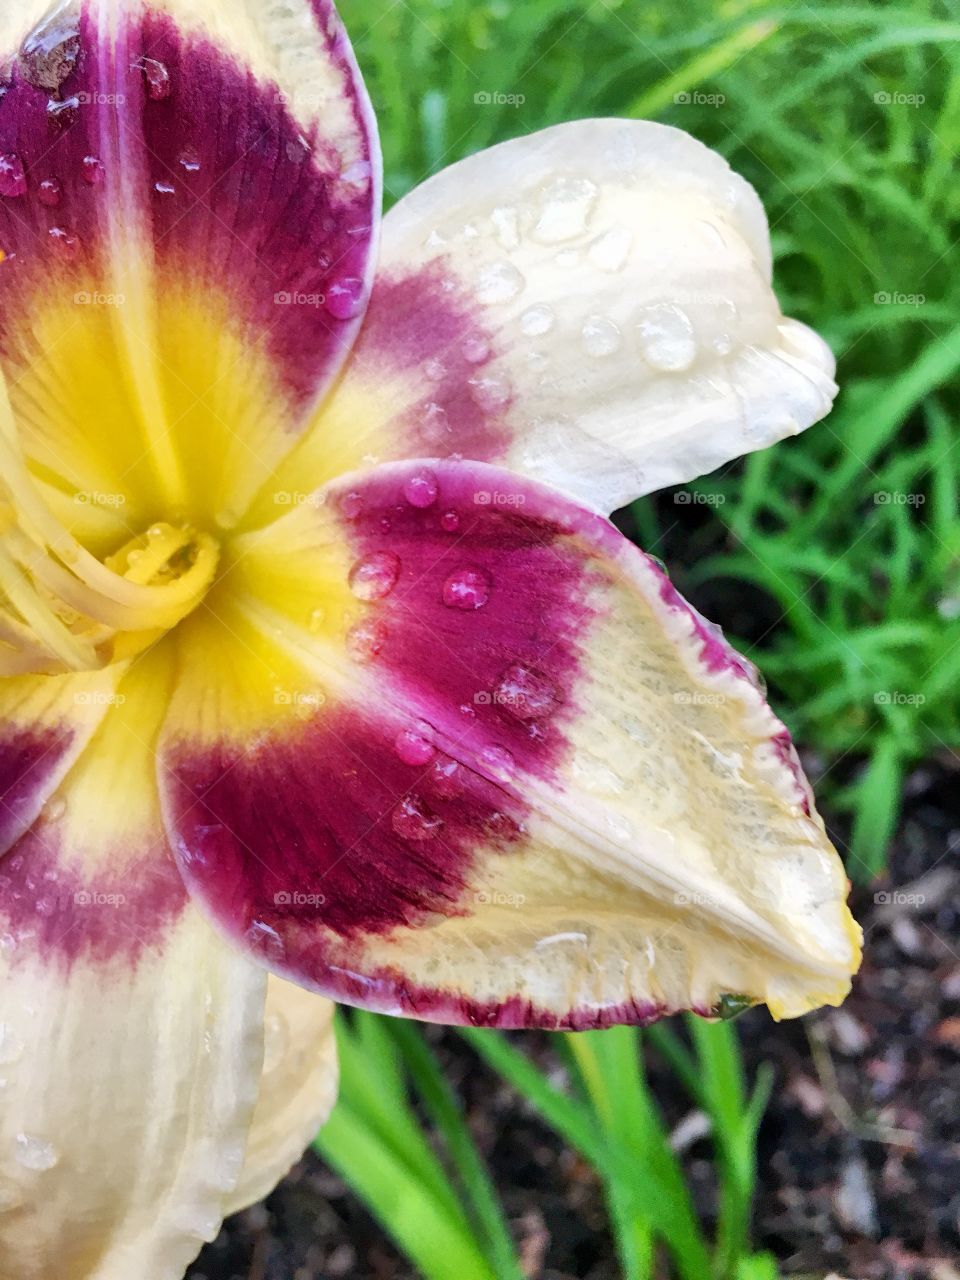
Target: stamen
x,y
61,609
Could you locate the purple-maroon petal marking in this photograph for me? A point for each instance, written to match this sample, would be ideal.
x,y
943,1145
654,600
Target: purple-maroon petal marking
x,y
28,759
51,909
237,198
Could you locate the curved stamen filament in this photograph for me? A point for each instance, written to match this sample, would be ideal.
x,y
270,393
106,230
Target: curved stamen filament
x,y
61,608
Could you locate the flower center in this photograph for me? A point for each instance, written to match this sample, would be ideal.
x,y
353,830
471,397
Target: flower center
x,y
62,609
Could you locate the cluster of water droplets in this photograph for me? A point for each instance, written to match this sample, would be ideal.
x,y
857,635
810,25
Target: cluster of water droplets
x,y
565,216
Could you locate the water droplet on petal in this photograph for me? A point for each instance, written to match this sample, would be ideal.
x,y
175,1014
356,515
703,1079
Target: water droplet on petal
x,y
316,619
11,1045
164,188
467,588
499,762
567,205
375,576
157,77
413,747
13,180
450,521
434,426
189,160
421,489
489,394
435,370
666,337
411,821
610,251
723,344
537,321
476,349
498,282
92,170
62,111
50,192
507,226
601,337
344,297
526,694
54,809
351,504
49,53
35,1153
446,778
366,639
65,244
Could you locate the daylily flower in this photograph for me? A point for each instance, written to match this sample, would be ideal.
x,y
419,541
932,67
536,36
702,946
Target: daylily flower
x,y
319,655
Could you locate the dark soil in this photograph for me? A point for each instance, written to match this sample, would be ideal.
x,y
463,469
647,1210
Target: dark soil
x,y
859,1151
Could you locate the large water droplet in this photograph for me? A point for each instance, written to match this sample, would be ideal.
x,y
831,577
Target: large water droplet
x,y
92,170
157,77
526,694
414,747
610,251
537,321
13,180
412,821
375,576
421,489
344,297
366,639
467,588
49,53
666,337
35,1153
11,1045
566,208
498,282
50,192
601,337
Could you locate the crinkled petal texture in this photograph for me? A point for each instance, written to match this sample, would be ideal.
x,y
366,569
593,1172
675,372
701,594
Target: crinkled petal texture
x,y
189,196
469,757
591,306
145,1094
